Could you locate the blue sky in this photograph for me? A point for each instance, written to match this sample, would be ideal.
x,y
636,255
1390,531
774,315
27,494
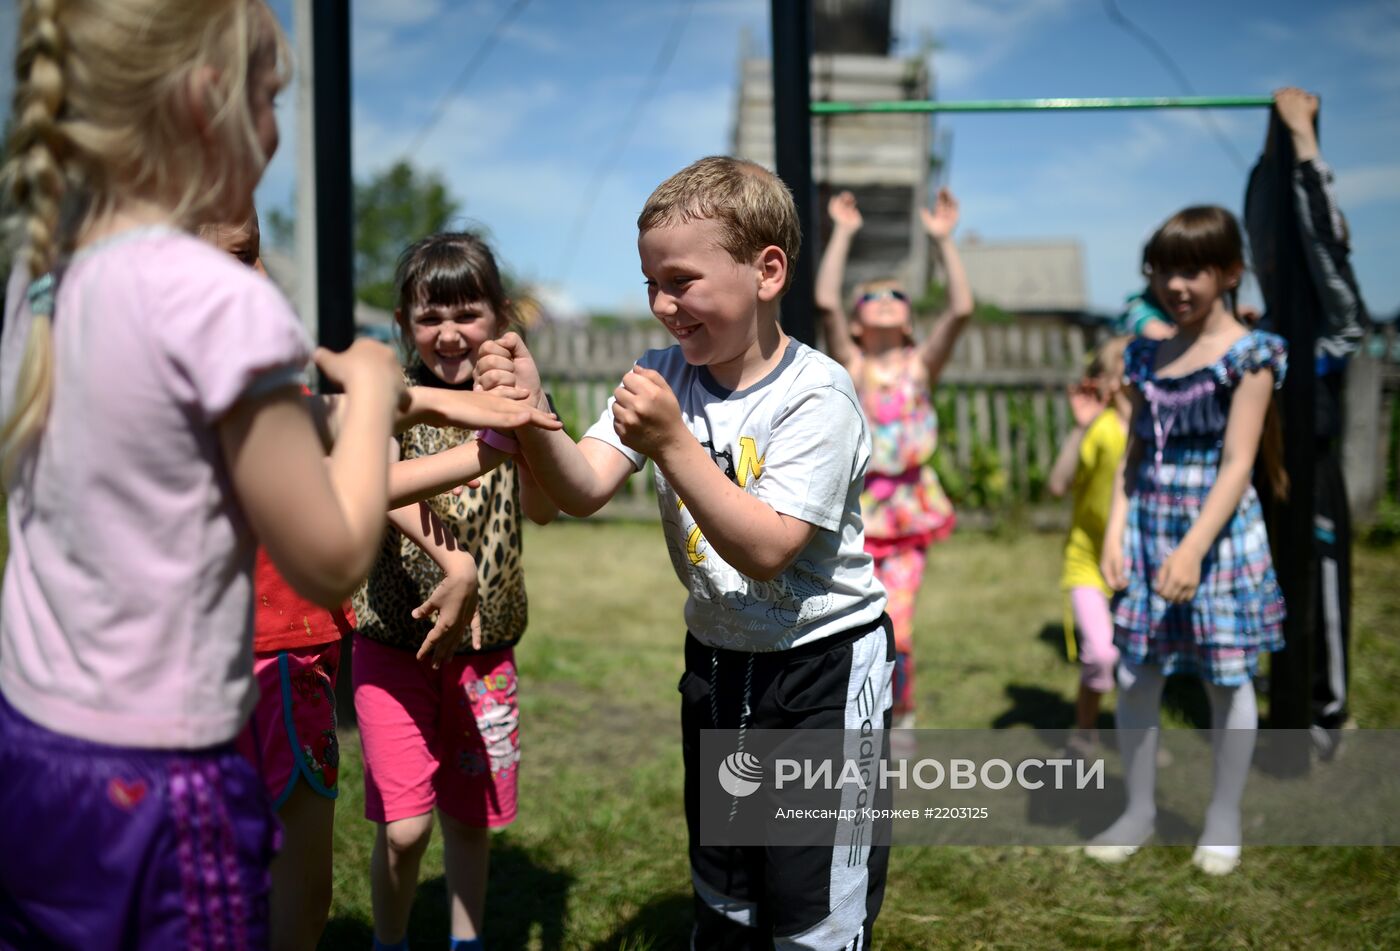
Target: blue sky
x,y
521,143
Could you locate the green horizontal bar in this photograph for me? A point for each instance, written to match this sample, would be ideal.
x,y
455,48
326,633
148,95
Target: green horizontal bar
x,y
1036,105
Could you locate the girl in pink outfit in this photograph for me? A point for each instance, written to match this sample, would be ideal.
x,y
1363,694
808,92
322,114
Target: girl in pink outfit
x,y
444,742
904,506
154,423
154,428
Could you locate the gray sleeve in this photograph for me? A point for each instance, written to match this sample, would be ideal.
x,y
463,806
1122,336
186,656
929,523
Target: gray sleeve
x,y
1328,257
811,457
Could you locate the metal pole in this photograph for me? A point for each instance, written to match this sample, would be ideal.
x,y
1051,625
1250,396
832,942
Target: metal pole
x,y
1295,309
305,235
792,145
335,213
1041,105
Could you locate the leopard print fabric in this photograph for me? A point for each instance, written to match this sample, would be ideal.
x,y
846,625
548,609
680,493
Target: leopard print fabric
x,y
486,521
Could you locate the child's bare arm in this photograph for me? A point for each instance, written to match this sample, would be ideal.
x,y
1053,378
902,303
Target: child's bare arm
x,y
454,599
743,529
319,520
1085,403
939,222
1111,561
579,477
465,409
535,503
421,478
845,222
1181,572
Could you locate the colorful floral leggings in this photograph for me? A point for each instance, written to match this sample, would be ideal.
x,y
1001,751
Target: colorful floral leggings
x,y
901,570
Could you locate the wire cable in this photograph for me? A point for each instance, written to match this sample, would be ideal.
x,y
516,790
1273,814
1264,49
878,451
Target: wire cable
x,y
664,56
468,70
1142,36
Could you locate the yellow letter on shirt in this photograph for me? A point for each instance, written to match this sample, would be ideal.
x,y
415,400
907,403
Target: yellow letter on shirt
x,y
750,463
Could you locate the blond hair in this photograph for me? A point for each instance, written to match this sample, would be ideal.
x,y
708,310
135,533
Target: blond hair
x,y
102,115
1107,359
752,206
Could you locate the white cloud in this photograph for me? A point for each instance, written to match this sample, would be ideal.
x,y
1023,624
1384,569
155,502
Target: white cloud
x,y
974,37
398,13
691,122
1373,32
1368,183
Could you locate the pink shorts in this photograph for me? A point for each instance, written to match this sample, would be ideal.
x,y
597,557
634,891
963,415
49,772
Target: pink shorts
x,y
448,738
291,733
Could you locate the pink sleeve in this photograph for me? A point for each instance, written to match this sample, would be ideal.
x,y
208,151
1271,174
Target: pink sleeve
x,y
229,334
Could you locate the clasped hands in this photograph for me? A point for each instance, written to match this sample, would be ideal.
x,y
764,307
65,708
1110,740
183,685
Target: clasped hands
x,y
646,415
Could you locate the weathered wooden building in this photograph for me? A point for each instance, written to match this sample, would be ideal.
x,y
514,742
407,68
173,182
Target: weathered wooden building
x,y
883,159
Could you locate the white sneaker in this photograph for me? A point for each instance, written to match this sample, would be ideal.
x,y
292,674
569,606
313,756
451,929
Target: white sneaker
x,y
1110,854
1214,860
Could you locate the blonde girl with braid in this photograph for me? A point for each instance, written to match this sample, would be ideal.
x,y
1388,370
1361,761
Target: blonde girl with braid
x,y
153,425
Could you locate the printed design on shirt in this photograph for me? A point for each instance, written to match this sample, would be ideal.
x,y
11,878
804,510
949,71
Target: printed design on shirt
x,y
492,742
797,596
486,522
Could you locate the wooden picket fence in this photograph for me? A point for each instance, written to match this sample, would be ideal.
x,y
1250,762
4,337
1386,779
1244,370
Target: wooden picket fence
x,y
1001,403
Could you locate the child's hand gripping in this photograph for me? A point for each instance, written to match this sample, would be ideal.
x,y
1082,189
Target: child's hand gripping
x,y
364,368
646,416
1297,108
504,365
844,212
942,218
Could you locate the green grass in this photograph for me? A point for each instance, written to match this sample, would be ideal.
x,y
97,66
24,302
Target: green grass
x,y
597,857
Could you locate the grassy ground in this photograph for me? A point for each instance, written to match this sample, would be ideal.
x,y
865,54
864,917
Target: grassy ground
x,y
597,858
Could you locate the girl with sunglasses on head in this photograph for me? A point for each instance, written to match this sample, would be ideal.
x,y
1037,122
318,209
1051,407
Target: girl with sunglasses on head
x,y
904,506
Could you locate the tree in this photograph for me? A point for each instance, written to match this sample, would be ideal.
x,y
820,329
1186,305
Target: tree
x,y
392,210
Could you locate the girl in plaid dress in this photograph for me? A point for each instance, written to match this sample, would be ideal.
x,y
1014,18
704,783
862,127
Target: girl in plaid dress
x,y
1185,547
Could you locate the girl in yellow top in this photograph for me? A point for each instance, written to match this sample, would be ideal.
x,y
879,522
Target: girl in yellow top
x,y
1086,465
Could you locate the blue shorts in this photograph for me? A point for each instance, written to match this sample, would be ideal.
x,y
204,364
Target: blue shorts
x,y
111,847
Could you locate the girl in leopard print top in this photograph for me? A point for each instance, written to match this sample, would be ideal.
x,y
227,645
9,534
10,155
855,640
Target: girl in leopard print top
x,y
449,737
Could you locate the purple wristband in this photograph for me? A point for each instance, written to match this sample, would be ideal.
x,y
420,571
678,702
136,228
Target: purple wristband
x,y
498,441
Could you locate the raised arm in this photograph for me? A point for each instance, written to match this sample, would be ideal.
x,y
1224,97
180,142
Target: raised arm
x,y
939,222
581,477
1085,403
1181,572
1325,245
845,222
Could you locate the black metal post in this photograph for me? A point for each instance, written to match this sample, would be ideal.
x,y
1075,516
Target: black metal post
x,y
335,199
792,143
1294,311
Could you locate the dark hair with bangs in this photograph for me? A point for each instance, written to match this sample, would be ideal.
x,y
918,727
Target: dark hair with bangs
x,y
453,267
1208,236
1196,238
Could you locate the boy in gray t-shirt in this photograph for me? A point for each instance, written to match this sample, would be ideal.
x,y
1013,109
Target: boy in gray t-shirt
x,y
761,450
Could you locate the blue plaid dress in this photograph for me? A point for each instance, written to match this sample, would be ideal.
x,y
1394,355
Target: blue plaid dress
x,y
1238,609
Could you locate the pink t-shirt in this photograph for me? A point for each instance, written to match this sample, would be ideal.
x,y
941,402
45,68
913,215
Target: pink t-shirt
x,y
127,603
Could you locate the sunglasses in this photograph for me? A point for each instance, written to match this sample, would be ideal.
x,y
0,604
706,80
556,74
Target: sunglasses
x,y
888,293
